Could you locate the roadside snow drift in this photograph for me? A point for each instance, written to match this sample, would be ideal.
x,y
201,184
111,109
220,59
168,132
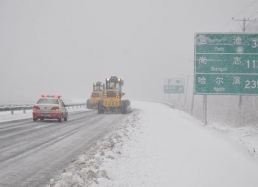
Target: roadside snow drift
x,y
159,146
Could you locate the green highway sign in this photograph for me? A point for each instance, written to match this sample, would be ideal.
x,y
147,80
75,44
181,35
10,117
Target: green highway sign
x,y
174,85
226,84
226,63
219,43
173,89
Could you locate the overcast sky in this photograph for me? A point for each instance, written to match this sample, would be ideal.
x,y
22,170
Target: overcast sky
x,y
63,47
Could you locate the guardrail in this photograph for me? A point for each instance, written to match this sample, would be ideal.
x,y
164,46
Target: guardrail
x,y
13,108
76,105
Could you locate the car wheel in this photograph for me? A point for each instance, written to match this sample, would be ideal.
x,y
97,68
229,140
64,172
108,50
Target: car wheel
x,y
61,118
35,119
66,116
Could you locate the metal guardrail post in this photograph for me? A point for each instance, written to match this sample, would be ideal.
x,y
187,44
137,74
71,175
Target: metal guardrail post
x,y
23,108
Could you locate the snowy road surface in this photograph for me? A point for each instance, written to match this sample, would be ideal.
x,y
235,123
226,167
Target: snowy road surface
x,y
157,146
153,146
31,153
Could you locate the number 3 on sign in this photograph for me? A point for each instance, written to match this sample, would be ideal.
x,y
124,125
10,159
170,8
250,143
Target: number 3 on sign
x,y
254,43
251,84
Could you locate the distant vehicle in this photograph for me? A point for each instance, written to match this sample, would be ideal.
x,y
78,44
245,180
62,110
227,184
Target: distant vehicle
x,y
50,107
112,99
96,95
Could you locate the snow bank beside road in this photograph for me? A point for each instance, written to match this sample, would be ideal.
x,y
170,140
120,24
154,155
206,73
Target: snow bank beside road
x,y
246,135
88,169
18,115
159,146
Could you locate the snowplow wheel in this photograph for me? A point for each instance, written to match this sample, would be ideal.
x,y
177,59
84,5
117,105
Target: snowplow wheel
x,y
124,110
125,106
100,107
89,105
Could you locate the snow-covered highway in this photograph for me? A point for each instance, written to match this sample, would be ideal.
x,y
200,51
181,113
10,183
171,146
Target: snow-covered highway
x,y
153,146
31,153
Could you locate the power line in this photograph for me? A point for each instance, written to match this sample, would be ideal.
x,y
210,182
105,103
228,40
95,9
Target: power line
x,y
238,14
245,8
226,25
253,14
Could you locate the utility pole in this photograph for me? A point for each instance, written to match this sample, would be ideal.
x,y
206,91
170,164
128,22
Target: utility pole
x,y
243,29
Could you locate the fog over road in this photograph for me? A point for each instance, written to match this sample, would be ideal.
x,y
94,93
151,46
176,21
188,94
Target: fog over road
x,y
31,153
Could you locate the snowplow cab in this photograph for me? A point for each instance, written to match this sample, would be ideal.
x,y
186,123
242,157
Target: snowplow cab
x,y
112,98
96,95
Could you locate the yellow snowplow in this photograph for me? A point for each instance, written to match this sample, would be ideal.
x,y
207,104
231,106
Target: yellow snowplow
x,y
112,98
96,95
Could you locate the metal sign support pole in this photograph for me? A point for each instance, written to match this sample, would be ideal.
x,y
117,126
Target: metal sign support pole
x,y
192,106
240,102
186,90
205,109
179,104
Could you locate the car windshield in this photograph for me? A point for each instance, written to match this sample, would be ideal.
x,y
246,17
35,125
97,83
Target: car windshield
x,y
48,101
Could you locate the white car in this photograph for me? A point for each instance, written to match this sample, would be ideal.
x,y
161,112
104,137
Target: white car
x,y
50,107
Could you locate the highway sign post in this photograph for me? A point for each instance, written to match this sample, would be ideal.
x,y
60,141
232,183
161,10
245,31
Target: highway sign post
x,y
225,64
174,85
